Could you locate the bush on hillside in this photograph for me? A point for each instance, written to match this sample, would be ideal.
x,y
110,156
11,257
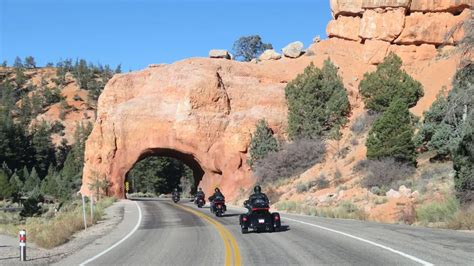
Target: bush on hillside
x,y
317,102
293,159
383,173
387,83
363,122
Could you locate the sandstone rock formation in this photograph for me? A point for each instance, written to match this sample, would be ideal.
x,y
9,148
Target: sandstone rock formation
x,y
203,111
400,21
270,54
216,53
293,50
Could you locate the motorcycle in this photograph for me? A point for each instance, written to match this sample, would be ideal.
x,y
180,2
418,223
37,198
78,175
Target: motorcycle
x,y
218,207
175,198
199,201
259,218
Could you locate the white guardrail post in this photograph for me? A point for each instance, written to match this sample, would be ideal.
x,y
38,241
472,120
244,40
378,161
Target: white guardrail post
x,y
22,235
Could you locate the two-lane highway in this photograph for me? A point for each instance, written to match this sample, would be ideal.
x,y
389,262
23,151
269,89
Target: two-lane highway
x,y
182,234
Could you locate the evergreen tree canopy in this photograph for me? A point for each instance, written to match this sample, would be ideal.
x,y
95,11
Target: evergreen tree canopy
x,y
6,190
262,142
43,148
317,102
392,135
158,174
250,47
387,83
30,62
33,181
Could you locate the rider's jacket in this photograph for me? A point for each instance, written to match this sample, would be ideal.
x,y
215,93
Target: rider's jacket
x,y
258,197
217,194
200,194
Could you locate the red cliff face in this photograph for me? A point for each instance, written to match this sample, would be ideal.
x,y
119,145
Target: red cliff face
x,y
203,111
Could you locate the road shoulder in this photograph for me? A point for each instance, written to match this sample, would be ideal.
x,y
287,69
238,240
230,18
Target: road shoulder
x,y
9,254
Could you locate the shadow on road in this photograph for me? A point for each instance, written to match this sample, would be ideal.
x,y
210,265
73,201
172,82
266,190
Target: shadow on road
x,y
231,215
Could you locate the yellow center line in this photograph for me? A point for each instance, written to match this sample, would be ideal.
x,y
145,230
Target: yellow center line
x,y
232,253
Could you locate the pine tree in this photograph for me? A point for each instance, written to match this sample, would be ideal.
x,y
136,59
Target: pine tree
x,y
20,78
118,69
33,181
6,190
317,102
25,110
49,185
30,62
387,83
262,142
16,184
18,63
250,47
463,162
392,135
43,147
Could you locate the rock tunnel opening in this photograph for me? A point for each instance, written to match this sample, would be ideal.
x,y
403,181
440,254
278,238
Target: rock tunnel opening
x,y
160,170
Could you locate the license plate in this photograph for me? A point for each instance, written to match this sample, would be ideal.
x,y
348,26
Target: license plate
x,y
261,221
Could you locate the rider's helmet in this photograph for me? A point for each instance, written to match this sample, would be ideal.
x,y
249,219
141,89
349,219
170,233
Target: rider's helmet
x,y
257,189
199,189
217,189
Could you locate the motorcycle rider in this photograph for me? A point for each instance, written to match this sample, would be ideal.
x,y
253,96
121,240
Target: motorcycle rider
x,y
199,194
217,194
256,196
175,193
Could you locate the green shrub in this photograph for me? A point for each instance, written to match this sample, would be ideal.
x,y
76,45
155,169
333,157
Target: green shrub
x,y
434,212
262,142
317,102
392,135
463,162
387,83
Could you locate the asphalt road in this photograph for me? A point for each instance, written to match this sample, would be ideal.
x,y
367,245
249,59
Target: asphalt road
x,y
182,234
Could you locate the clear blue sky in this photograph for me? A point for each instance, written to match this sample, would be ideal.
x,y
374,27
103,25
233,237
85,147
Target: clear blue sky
x,y
136,33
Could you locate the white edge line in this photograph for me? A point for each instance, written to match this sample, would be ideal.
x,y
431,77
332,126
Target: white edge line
x,y
121,240
366,241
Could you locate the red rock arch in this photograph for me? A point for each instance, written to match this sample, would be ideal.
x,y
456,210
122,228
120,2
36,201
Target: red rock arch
x,y
200,108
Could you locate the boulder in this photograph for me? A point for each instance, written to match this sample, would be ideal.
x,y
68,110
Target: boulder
x,y
270,54
404,191
440,5
393,194
344,27
383,25
293,50
219,53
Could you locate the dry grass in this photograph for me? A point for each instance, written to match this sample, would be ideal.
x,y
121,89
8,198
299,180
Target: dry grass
x,y
345,210
52,232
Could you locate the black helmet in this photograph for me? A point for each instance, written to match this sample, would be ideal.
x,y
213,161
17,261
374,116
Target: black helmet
x,y
217,189
199,189
257,189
